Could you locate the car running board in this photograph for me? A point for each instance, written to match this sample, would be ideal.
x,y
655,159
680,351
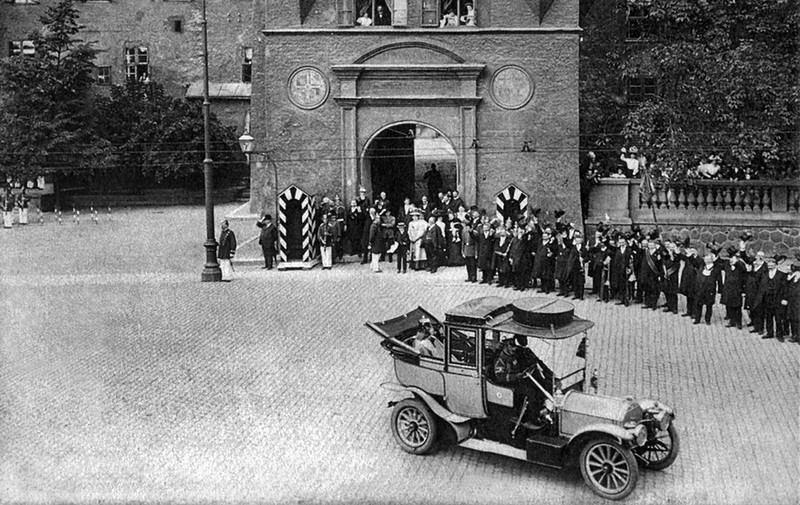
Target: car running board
x,y
483,445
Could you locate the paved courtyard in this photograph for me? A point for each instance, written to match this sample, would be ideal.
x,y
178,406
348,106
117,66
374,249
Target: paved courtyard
x,y
124,378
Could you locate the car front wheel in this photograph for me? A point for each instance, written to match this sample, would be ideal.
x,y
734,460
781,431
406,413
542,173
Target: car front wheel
x,y
609,469
660,451
414,426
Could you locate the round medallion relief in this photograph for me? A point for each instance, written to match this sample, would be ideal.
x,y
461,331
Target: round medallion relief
x,y
512,87
308,88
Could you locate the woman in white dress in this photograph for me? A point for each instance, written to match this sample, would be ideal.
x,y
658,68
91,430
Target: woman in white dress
x,y
416,230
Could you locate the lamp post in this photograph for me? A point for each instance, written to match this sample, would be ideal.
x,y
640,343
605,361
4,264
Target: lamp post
x,y
246,143
211,271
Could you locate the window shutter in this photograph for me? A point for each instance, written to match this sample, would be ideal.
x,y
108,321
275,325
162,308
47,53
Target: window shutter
x,y
400,16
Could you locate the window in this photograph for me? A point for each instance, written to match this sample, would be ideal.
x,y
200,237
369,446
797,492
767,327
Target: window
x,y
104,75
247,64
373,13
344,12
21,2
640,88
23,47
136,63
177,25
638,23
448,13
462,350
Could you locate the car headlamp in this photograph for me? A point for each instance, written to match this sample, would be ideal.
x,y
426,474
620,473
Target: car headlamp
x,y
639,435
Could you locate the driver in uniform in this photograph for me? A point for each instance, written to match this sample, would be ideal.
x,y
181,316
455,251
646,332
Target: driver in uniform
x,y
510,365
426,342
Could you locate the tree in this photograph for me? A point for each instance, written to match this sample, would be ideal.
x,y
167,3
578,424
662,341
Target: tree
x,y
727,73
157,138
47,118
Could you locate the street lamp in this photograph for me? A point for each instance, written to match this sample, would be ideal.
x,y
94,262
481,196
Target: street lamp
x,y
246,143
211,271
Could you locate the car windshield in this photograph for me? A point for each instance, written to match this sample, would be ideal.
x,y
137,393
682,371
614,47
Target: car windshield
x,y
559,355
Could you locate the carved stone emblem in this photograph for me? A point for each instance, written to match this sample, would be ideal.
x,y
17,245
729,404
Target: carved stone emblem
x,y
308,88
512,87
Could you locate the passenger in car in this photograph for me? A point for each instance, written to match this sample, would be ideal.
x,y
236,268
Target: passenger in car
x,y
426,342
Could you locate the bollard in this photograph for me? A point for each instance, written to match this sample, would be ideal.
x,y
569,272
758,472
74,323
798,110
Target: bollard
x,y
39,213
58,216
78,217
74,215
94,216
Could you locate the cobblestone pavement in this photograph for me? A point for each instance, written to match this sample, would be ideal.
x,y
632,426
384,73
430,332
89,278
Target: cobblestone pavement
x,y
123,378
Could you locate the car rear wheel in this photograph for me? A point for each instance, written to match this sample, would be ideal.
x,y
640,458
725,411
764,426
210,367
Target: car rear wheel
x,y
609,469
414,426
660,451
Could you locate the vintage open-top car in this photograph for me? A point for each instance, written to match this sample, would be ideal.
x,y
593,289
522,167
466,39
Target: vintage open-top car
x,y
456,389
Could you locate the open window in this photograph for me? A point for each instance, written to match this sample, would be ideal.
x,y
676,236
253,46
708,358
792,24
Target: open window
x,y
449,13
137,63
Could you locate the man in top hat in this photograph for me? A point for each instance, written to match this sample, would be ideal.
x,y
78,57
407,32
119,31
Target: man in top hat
x,y
753,299
403,243
670,264
433,242
691,265
268,240
485,237
772,294
733,288
469,249
650,273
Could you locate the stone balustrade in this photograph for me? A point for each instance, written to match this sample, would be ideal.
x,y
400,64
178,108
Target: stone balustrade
x,y
705,210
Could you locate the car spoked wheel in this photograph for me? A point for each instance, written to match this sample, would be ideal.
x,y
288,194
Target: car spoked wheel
x,y
609,469
414,426
660,451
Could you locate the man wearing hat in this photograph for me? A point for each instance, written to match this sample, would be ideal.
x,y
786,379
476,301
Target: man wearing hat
x,y
432,241
469,249
425,340
670,264
773,297
691,265
325,235
733,288
268,239
403,244
650,274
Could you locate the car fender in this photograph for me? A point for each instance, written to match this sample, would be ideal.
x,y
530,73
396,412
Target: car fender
x,y
461,425
620,434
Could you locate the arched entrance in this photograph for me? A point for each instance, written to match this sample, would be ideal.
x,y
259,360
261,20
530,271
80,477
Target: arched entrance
x,y
396,158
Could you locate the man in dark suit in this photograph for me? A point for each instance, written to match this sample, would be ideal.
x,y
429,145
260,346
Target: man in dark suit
x,y
576,266
518,259
469,249
650,274
268,239
691,264
621,270
670,264
773,286
733,288
485,239
433,241
501,247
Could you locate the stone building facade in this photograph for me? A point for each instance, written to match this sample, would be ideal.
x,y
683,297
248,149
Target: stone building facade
x,y
158,40
344,106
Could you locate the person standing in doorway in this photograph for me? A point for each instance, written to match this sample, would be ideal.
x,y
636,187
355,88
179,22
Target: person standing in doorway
x,y
433,178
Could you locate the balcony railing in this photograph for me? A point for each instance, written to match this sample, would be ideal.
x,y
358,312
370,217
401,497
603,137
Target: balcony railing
x,y
733,204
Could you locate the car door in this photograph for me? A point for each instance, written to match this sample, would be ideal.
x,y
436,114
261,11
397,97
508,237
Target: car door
x,y
462,378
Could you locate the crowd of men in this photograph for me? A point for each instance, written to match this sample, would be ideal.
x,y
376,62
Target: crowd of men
x,y
9,201
625,266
